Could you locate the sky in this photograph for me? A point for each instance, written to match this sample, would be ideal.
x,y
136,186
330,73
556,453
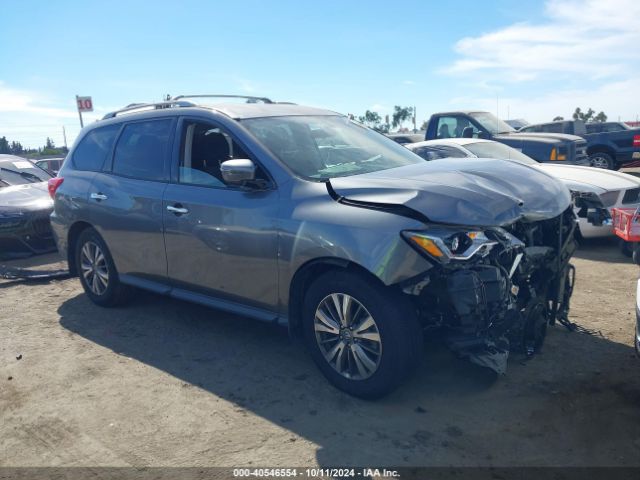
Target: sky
x,y
530,59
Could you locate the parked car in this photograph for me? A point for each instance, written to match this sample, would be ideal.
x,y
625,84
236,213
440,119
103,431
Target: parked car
x,y
610,145
551,147
302,217
613,189
403,138
51,165
25,207
517,123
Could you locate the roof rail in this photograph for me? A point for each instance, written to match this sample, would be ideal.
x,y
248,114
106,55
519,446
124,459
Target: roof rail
x,y
142,106
249,99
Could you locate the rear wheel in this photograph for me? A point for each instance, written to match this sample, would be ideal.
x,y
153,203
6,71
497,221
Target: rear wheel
x,y
602,160
97,272
364,338
626,248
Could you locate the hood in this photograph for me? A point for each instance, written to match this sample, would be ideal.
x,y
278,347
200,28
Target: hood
x,y
606,180
540,137
28,197
460,191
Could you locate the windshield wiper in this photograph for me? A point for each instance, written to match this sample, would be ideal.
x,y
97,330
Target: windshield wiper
x,y
27,175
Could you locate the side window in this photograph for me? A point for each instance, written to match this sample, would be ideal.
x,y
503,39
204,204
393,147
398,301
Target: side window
x,y
93,149
142,150
454,127
436,152
203,149
552,128
446,126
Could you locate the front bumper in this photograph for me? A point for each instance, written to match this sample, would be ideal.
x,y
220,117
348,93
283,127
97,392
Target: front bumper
x,y
26,234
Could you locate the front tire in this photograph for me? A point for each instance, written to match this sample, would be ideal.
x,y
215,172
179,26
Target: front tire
x,y
365,338
98,275
602,160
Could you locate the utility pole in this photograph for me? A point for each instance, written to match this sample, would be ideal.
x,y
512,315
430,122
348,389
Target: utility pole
x,y
79,113
415,130
64,135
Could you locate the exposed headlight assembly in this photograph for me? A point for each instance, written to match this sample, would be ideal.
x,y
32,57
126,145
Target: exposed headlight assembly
x,y
445,245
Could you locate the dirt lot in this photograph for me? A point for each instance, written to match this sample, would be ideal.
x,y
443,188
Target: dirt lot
x,y
162,382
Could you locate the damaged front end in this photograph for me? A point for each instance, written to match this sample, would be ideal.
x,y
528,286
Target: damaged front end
x,y
495,290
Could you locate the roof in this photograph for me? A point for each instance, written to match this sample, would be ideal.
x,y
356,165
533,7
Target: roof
x,y
234,110
259,110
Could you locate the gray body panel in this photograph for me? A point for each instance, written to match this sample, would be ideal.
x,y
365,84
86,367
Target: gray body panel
x,y
240,250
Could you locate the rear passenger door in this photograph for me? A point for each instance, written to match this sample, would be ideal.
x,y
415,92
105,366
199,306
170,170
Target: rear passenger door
x,y
221,240
127,198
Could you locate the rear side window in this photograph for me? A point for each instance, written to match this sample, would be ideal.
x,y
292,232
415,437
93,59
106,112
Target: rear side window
x,y
436,152
93,149
142,150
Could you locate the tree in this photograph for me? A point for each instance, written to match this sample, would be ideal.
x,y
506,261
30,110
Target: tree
x,y
555,119
589,116
370,118
601,117
424,125
50,145
4,145
16,148
401,115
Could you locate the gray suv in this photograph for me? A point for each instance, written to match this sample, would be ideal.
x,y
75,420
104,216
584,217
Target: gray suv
x,y
302,217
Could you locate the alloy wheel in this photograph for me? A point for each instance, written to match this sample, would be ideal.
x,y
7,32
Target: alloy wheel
x,y
94,268
348,336
599,162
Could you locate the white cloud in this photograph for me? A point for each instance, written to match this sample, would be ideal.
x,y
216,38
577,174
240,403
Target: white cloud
x,y
612,98
583,54
594,38
30,117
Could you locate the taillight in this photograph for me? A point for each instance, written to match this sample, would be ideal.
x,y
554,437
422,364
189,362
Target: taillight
x,y
636,140
53,185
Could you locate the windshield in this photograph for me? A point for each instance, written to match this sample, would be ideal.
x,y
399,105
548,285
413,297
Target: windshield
x,y
323,147
19,172
491,123
499,151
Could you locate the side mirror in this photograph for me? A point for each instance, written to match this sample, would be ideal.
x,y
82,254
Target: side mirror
x,y
484,135
467,132
238,171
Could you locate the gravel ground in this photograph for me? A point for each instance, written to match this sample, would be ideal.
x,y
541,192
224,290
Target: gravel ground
x,y
161,382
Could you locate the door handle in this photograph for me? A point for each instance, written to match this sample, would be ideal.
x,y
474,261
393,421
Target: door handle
x,y
178,210
98,196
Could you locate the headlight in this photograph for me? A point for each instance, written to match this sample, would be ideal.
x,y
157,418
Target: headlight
x,y
446,244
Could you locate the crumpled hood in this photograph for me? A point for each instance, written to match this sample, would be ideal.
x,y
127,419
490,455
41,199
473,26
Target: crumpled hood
x,y
28,197
460,191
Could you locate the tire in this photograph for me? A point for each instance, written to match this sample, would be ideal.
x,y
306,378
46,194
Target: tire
x,y
626,248
380,365
97,272
602,160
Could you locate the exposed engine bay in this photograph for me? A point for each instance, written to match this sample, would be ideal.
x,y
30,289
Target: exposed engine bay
x,y
494,292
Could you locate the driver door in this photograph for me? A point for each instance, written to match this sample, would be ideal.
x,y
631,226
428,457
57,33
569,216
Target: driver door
x,y
220,240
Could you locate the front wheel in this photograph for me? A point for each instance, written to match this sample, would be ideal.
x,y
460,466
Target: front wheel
x,y
97,272
602,160
364,337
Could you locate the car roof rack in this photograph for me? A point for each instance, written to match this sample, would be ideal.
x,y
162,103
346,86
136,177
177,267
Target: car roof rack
x,y
250,99
132,107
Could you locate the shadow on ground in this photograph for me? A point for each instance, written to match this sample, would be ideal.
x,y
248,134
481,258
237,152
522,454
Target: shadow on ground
x,y
574,404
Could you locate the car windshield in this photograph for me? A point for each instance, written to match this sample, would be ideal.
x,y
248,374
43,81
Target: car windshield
x,y
499,151
491,123
19,172
323,147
